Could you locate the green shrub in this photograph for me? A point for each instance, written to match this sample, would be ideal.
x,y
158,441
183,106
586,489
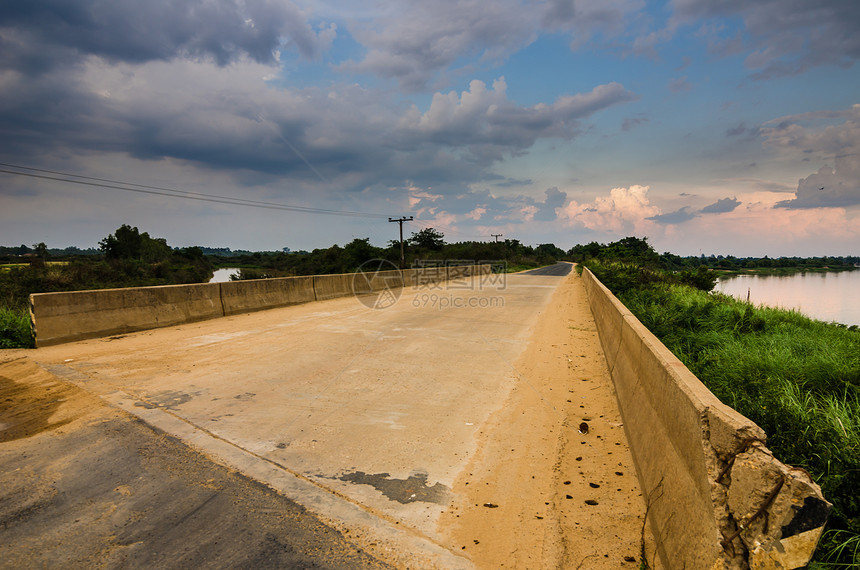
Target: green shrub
x,y
15,331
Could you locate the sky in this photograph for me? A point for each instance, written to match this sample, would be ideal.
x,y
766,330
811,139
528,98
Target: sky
x,y
727,127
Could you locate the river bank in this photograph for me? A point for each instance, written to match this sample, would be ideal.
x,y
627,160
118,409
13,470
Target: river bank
x,y
783,271
825,296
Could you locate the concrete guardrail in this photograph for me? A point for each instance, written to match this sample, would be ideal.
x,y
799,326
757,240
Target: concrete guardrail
x,y
77,315
715,496
333,286
260,294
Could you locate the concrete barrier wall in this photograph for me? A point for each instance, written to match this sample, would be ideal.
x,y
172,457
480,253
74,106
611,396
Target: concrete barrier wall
x,y
77,315
429,277
421,277
460,273
703,468
382,280
258,294
332,286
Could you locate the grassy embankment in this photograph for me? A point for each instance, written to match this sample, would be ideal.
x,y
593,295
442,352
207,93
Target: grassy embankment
x,y
797,378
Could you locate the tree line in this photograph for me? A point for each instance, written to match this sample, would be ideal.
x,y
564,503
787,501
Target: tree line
x,y
130,258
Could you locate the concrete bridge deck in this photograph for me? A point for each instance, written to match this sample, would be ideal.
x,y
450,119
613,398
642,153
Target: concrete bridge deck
x,y
442,431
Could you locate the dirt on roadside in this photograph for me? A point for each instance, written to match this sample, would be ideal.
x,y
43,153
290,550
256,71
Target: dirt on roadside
x,y
553,484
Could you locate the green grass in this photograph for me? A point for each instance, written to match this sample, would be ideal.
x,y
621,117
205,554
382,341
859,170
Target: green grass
x,y
15,329
797,378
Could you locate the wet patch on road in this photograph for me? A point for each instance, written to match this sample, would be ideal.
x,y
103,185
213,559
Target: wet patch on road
x,y
410,490
171,399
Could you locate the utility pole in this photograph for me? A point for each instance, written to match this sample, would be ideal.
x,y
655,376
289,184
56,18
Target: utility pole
x,y
497,236
402,251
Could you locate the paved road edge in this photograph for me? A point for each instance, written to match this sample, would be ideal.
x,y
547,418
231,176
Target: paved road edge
x,y
375,534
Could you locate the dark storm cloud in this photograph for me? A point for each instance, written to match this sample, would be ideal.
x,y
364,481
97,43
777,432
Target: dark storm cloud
x,y
737,131
679,85
38,35
415,41
507,182
633,122
786,37
228,119
815,134
721,206
602,23
677,217
828,188
153,81
548,209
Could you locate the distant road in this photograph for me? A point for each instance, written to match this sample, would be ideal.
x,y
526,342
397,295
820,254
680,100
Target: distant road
x,y
558,270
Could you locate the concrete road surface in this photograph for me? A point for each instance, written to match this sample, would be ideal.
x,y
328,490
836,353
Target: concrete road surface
x,y
371,419
558,269
83,485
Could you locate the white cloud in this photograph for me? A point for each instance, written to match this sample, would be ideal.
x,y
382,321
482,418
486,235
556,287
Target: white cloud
x,y
419,195
477,213
528,212
481,116
624,211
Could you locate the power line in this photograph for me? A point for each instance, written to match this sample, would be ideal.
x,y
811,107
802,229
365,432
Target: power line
x,y
173,193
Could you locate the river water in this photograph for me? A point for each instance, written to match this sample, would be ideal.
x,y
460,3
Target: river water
x,y
823,296
223,275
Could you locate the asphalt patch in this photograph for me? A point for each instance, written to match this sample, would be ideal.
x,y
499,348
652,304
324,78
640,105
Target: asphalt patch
x,y
410,490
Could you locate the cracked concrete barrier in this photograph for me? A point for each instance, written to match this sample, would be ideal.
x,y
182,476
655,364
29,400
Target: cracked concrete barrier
x,y
76,315
260,294
716,497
